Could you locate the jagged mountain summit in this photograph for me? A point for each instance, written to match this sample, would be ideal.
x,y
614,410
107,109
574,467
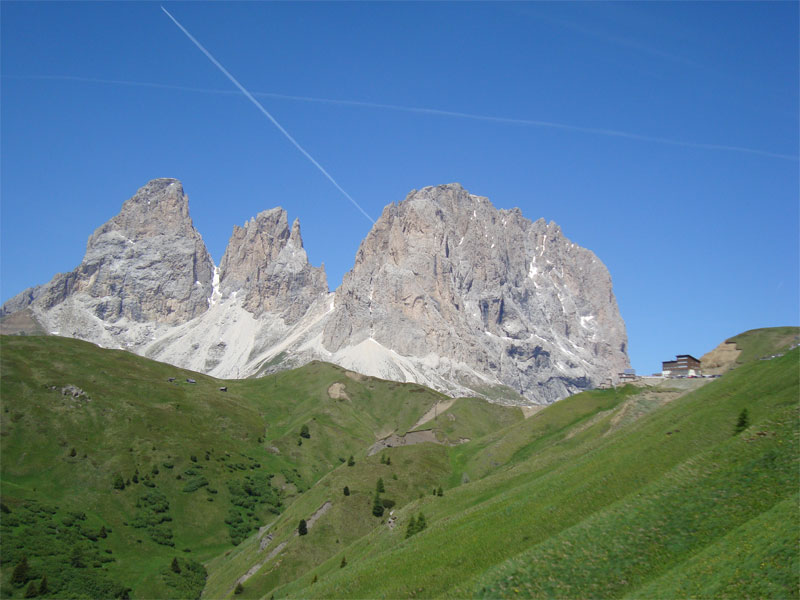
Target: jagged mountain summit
x,y
446,290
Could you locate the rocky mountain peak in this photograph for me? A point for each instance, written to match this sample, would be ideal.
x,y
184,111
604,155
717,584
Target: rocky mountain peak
x,y
147,264
267,262
444,273
157,207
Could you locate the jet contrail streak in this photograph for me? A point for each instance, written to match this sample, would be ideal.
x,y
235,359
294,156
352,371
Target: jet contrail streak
x,y
439,112
250,97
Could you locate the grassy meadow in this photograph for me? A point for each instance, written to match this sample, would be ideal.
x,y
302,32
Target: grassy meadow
x,y
138,486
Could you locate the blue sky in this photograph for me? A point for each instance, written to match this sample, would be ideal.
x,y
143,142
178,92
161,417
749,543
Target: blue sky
x,y
662,136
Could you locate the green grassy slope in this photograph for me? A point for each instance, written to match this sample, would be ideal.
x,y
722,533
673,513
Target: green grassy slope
x,y
610,493
759,343
600,510
198,468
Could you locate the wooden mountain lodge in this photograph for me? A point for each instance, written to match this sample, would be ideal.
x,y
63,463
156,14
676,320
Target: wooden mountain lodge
x,y
685,365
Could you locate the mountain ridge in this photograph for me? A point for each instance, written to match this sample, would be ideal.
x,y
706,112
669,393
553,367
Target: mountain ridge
x,y
438,294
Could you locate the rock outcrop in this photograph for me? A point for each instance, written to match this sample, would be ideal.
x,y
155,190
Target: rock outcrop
x,y
480,296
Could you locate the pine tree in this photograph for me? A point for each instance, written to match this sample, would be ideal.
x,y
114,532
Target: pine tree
x,y
421,522
73,452
176,568
76,558
31,591
388,460
412,527
302,528
383,459
118,483
103,533
440,492
350,461
43,586
238,589
379,486
343,564
346,491
743,422
377,506
304,432
315,578
20,574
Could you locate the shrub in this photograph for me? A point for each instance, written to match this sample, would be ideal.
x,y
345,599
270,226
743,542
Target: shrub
x,y
346,491
238,589
118,483
351,461
440,492
304,432
343,564
175,567
195,484
32,591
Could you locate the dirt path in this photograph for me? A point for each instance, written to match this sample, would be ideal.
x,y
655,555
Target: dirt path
x,y
436,409
318,513
277,549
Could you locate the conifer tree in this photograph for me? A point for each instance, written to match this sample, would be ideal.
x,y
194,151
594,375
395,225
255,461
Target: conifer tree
x,y
379,488
440,492
302,528
304,432
43,586
343,564
421,522
743,422
412,527
32,590
118,483
176,568
377,505
351,461
20,574
346,491
238,589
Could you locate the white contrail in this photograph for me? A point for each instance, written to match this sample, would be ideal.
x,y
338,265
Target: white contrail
x,y
250,97
439,112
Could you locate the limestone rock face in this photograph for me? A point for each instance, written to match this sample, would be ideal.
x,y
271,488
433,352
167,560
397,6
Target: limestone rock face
x,y
148,264
446,278
266,261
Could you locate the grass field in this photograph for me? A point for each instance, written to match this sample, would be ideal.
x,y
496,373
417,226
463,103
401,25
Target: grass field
x,y
609,493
